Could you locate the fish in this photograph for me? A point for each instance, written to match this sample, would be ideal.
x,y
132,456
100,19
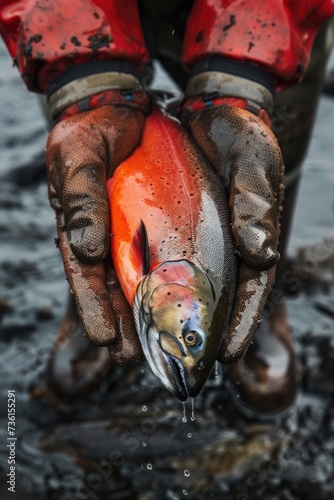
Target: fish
x,y
173,252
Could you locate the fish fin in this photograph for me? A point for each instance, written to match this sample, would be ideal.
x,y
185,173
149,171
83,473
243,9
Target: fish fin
x,y
140,249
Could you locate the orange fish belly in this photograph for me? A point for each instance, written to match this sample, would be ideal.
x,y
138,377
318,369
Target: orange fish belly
x,y
168,185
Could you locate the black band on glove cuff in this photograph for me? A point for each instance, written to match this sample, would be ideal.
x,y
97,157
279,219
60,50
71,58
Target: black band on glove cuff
x,y
90,68
235,68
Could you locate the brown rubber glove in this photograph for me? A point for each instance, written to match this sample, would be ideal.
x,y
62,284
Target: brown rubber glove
x,y
82,153
245,154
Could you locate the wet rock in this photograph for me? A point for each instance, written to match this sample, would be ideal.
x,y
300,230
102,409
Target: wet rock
x,y
325,305
44,314
29,174
314,264
5,305
11,332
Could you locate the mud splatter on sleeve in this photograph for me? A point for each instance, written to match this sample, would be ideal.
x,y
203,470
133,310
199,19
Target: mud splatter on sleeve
x,y
276,35
45,37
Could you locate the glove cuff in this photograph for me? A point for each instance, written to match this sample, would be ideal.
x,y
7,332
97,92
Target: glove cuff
x,y
136,99
231,78
81,83
199,103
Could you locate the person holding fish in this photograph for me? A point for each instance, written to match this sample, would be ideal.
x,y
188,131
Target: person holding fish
x,y
240,65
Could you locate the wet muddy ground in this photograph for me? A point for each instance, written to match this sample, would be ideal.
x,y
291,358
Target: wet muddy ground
x,y
127,441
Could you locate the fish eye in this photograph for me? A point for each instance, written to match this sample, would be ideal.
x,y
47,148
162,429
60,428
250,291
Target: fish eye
x,y
191,338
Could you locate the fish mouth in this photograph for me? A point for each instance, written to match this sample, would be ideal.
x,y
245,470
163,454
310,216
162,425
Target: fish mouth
x,y
180,387
187,379
167,368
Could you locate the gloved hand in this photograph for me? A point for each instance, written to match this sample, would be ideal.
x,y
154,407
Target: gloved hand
x,y
82,152
245,154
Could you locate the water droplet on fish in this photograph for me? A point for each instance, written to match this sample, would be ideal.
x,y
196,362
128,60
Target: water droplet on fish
x,y
144,443
72,257
149,466
187,473
144,408
185,492
184,417
216,369
190,435
193,418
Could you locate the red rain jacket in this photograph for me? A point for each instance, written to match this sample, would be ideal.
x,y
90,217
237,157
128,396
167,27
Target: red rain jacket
x,y
44,37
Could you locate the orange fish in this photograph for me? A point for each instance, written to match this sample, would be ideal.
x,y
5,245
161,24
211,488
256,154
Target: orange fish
x,y
173,253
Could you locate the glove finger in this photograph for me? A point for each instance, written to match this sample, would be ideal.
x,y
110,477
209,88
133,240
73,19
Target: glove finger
x,y
54,198
86,212
245,154
88,285
77,172
82,152
256,195
252,291
127,350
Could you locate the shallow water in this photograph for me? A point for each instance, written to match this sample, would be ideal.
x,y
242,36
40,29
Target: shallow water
x,y
109,447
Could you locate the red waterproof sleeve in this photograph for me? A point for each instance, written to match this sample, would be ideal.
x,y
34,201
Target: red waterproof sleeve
x,y
277,35
45,37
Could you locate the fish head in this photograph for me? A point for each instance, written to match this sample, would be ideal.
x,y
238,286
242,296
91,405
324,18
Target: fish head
x,y
181,316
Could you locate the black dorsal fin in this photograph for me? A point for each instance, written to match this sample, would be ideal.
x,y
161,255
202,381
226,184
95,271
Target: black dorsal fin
x,y
140,249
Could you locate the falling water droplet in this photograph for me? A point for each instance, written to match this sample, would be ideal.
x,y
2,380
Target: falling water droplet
x,y
185,492
184,417
144,408
187,473
143,371
144,443
190,435
216,369
149,466
192,410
